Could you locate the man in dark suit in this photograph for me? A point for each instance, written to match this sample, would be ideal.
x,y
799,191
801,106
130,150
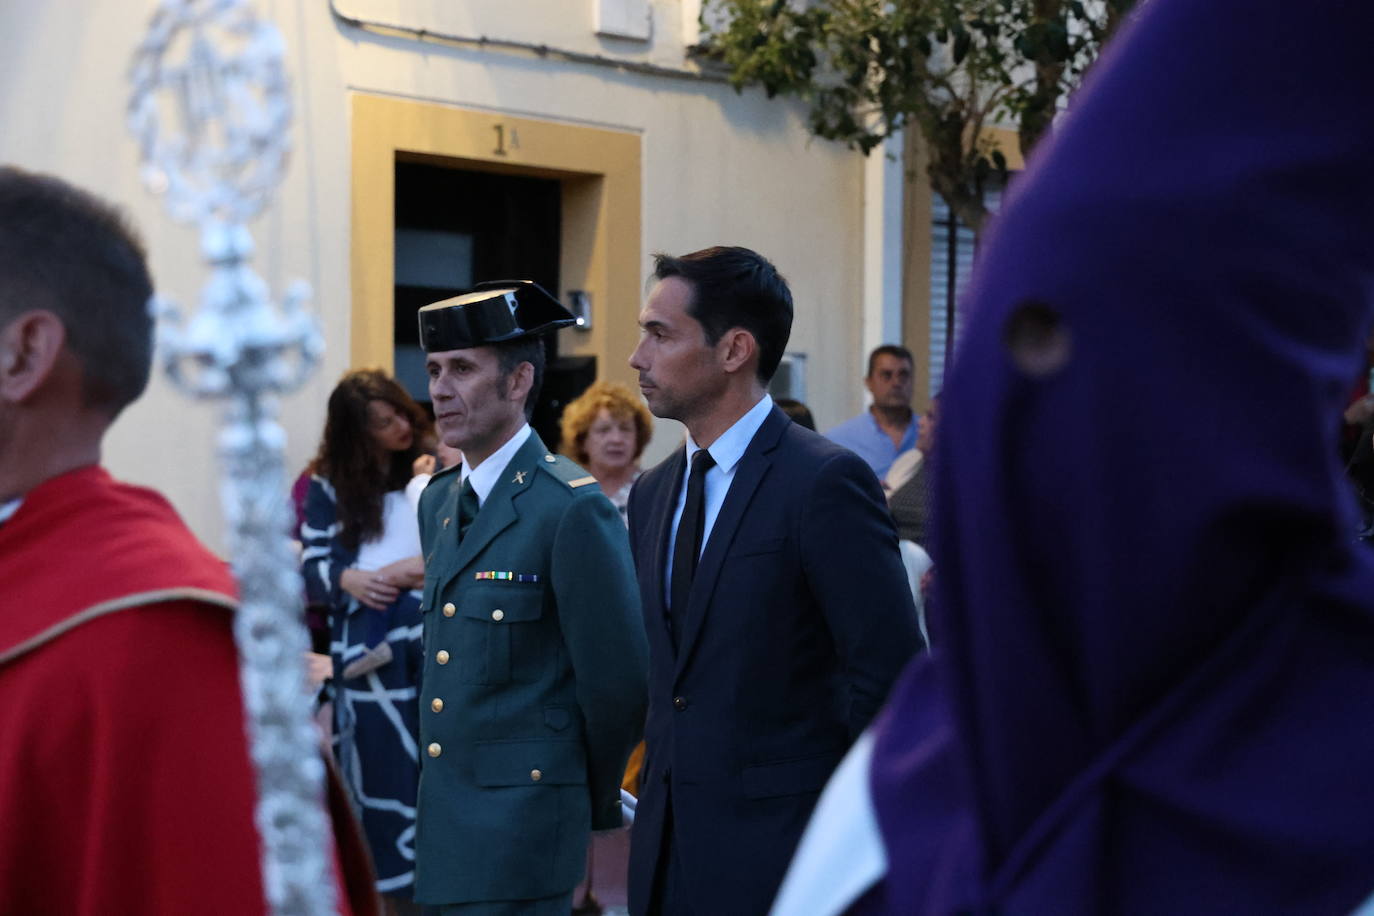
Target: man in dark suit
x,y
534,676
774,596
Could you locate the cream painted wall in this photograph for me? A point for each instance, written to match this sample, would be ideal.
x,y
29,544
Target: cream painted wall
x,y
565,24
719,168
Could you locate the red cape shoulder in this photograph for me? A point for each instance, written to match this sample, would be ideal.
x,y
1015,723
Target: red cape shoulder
x,y
81,539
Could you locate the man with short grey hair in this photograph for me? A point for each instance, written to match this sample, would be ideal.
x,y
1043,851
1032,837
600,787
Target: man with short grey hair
x,y
533,692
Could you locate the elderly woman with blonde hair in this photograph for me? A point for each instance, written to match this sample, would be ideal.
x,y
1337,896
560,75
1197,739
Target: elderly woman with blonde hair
x,y
605,430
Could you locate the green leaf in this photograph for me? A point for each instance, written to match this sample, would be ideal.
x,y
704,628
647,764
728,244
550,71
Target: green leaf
x,y
864,68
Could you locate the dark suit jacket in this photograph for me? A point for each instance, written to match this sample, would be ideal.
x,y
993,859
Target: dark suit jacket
x,y
533,689
800,619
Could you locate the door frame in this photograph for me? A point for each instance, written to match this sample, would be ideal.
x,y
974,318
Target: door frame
x,y
600,240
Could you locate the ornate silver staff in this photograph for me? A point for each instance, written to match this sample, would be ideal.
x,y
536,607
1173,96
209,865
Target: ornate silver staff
x,y
211,111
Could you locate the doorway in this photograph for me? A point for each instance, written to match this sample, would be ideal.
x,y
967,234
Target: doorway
x,y
455,227
444,197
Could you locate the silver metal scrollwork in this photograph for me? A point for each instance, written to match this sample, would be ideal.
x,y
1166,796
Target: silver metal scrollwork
x,y
211,111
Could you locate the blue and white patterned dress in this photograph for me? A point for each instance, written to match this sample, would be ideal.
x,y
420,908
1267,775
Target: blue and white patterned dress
x,y
376,716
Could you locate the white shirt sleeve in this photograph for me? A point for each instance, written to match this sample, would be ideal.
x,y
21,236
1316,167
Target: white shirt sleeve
x,y
841,854
415,488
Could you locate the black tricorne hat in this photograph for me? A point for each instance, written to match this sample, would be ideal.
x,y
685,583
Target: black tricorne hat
x,y
494,312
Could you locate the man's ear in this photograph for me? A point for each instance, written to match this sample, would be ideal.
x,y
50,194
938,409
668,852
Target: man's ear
x,y
737,348
520,382
29,349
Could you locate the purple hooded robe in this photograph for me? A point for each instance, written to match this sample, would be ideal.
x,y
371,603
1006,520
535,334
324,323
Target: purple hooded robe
x,y
1153,683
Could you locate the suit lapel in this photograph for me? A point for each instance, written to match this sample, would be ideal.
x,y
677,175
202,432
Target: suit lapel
x,y
749,474
659,527
498,510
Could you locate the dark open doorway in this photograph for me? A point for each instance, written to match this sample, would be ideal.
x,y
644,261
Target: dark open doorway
x,y
456,227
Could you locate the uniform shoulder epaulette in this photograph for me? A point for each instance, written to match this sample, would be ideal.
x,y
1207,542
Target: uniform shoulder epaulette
x,y
566,471
435,489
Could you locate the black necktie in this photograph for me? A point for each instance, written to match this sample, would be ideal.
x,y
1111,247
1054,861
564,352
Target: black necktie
x,y
688,545
467,508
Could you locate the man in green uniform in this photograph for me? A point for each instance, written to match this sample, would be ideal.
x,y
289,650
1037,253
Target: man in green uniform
x,y
534,687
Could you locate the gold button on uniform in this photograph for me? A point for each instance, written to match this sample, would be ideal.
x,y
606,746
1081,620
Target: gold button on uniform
x,y
498,614
450,610
441,656
536,775
436,704
435,750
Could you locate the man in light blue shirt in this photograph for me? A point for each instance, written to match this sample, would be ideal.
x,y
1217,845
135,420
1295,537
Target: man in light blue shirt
x,y
888,427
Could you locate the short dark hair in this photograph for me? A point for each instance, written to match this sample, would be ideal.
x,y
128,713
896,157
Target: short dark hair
x,y
736,288
798,412
511,354
889,350
64,250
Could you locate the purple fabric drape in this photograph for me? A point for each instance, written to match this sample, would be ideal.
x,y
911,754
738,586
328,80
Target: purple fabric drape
x,y
1155,676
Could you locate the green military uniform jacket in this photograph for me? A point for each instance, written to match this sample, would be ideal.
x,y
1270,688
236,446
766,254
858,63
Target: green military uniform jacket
x,y
535,681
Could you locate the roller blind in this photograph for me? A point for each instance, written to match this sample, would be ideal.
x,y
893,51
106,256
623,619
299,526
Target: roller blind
x,y
943,263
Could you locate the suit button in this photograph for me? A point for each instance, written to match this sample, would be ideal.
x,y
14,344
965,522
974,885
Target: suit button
x,y
450,610
536,775
436,704
679,703
435,750
441,656
498,615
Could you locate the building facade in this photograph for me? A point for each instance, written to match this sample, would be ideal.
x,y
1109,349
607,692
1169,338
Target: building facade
x,y
435,143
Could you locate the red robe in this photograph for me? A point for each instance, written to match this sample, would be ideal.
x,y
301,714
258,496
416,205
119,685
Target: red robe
x,y
125,781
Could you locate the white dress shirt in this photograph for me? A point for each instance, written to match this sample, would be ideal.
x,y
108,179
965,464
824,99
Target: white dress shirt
x,y
398,539
727,450
9,508
486,474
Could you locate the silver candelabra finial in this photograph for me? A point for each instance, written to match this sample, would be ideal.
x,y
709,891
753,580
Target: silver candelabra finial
x,y
211,111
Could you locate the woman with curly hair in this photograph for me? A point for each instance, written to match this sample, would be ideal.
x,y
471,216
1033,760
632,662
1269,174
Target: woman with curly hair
x,y
362,562
605,430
